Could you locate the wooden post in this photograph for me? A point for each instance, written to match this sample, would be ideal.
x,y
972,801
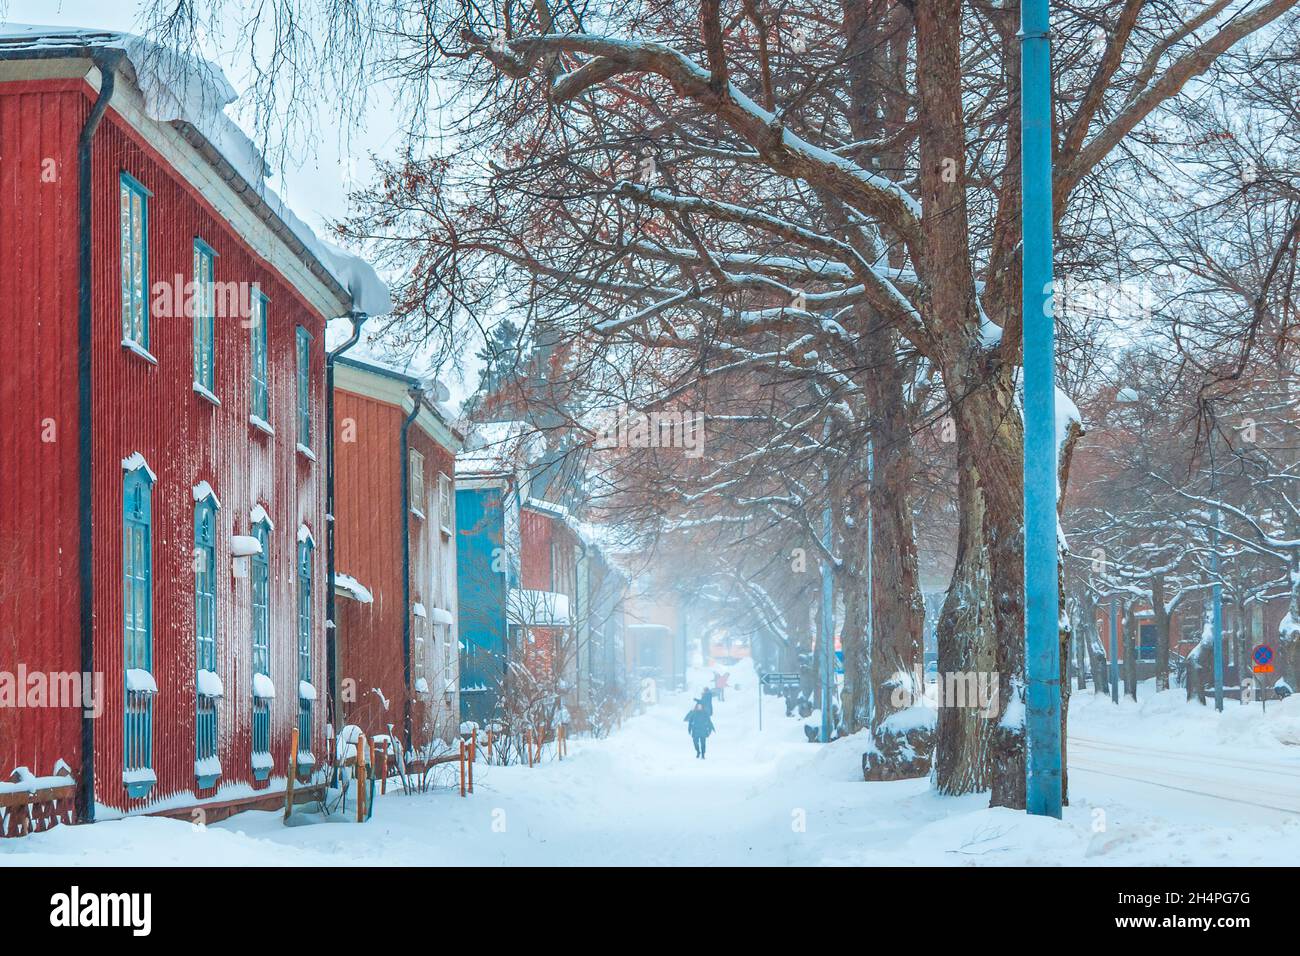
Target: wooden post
x,y
361,778
293,772
383,771
462,767
473,751
489,743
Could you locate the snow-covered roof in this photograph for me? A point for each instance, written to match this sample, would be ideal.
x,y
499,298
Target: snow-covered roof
x,y
189,91
373,349
373,352
348,585
548,507
537,608
498,447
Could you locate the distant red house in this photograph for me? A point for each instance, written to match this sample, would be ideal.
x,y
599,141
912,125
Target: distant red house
x,y
395,568
162,403
542,609
1242,630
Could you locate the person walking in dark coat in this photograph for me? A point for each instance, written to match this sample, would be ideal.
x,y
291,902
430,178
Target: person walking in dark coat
x,y
706,701
700,726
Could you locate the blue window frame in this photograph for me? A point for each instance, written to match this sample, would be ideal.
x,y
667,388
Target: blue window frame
x,y
206,768
204,306
257,350
304,643
262,601
134,259
137,577
261,575
304,387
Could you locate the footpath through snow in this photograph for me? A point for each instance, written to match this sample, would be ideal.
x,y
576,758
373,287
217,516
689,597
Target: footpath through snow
x,y
641,798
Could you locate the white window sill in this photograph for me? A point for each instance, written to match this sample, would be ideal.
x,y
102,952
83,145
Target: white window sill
x,y
261,424
418,513
306,452
137,349
446,532
204,392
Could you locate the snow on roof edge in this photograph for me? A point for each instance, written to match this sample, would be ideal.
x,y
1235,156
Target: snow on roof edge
x,y
185,88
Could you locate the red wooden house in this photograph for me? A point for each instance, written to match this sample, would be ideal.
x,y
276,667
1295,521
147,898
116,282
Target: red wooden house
x,y
395,598
541,610
162,414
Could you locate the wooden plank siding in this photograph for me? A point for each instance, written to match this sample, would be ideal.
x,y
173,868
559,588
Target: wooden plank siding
x,y
374,692
40,586
155,410
548,563
152,409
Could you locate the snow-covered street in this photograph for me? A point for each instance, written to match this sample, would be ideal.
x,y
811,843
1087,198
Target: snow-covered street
x,y
1162,782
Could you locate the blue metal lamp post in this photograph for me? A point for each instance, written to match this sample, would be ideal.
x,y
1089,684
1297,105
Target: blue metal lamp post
x,y
1042,627
1114,649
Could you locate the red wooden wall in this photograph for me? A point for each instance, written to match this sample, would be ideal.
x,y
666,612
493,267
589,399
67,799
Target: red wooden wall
x,y
39,581
368,546
368,542
146,408
547,563
155,411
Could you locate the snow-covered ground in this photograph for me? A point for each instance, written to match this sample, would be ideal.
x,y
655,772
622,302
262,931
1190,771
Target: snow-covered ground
x,y
1159,782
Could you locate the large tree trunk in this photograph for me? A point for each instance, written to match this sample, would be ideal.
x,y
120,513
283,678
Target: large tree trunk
x,y
877,51
1131,651
989,422
981,390
856,693
898,611
1287,663
1160,613
1080,649
965,645
1097,662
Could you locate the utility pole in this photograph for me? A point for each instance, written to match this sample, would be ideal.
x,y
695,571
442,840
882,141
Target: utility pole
x,y
871,570
827,626
1218,613
1042,598
1114,649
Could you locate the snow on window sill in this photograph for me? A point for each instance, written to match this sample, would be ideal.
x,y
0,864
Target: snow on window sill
x,y
136,348
207,772
139,681
446,532
208,684
306,452
417,512
138,782
261,424
262,763
204,392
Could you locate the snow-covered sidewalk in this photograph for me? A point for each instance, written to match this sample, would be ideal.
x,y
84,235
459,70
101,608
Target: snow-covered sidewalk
x,y
640,797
